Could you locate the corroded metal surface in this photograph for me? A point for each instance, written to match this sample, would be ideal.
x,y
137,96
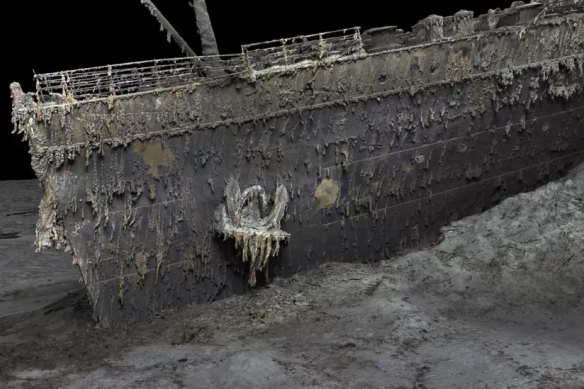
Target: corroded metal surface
x,y
245,218
379,144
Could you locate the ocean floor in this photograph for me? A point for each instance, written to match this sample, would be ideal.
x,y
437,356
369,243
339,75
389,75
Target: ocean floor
x,y
496,303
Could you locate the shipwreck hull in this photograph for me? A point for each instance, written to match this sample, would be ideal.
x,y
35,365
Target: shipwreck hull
x,y
377,151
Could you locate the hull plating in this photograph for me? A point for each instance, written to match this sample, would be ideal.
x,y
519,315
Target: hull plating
x,y
376,151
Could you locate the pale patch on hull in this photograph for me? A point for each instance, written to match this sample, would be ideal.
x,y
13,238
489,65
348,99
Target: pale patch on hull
x,y
155,155
326,193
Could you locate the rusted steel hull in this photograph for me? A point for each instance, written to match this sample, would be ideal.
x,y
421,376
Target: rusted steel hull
x,y
376,151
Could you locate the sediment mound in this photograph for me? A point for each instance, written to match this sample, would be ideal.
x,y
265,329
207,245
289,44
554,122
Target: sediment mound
x,y
527,250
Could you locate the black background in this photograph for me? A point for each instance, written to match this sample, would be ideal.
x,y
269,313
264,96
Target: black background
x,y
52,35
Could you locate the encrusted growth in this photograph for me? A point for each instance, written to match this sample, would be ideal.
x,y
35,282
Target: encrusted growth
x,y
245,218
380,139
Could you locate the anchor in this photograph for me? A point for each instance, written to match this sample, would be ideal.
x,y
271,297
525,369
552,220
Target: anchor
x,y
244,217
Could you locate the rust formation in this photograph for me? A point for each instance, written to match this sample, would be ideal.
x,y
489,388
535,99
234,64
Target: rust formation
x,y
375,139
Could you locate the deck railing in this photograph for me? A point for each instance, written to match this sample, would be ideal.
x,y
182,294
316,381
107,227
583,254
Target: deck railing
x,y
123,79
